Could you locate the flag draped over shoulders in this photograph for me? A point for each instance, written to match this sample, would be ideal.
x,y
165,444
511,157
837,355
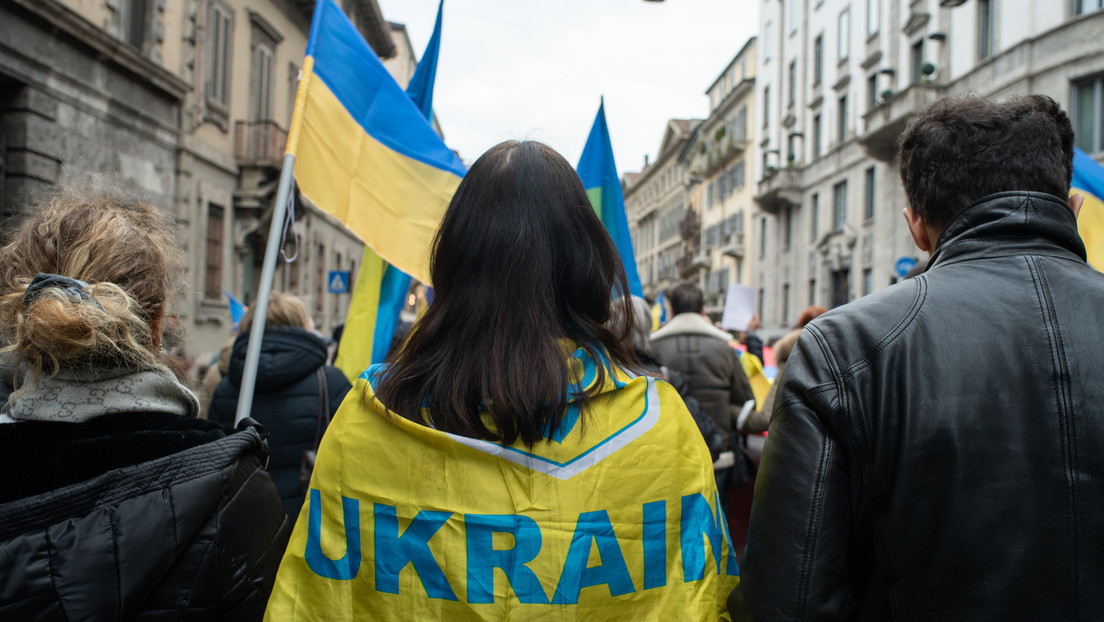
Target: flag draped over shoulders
x,y
364,152
1088,179
609,518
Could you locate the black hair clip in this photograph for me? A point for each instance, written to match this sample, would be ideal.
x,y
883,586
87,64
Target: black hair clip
x,y
42,281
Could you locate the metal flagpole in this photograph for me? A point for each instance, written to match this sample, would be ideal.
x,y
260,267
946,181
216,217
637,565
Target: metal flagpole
x,y
260,308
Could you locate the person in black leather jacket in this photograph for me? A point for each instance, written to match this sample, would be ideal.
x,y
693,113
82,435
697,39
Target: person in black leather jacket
x,y
116,503
935,454
288,394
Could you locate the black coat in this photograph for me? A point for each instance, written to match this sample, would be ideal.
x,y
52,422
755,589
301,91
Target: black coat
x,y
136,516
285,400
935,450
691,346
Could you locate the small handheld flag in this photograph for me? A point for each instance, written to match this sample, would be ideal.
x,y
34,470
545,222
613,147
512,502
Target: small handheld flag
x,y
237,309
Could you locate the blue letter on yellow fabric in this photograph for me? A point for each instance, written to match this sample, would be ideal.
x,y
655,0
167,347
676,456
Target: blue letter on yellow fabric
x,y
655,544
593,527
393,552
483,558
698,519
348,566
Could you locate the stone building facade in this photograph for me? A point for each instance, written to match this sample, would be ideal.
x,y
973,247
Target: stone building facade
x,y
689,211
656,204
718,156
837,82
185,104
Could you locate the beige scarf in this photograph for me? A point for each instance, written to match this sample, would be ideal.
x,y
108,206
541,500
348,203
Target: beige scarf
x,y
76,396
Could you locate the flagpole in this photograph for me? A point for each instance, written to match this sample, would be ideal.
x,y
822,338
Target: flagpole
x,y
260,308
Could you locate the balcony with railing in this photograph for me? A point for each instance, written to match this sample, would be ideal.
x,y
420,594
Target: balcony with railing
x,y
721,156
779,188
733,245
259,143
703,259
885,123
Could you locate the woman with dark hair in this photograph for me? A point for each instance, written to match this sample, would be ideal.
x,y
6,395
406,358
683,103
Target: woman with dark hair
x,y
510,438
116,502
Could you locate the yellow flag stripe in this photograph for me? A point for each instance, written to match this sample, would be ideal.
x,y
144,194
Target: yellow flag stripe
x,y
392,202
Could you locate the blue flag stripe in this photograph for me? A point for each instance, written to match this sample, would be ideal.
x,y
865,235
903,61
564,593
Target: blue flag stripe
x,y
355,75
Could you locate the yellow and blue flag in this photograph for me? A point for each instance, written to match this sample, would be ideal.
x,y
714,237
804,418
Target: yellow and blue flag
x,y
598,171
659,312
1088,179
420,89
363,151
381,288
615,517
753,368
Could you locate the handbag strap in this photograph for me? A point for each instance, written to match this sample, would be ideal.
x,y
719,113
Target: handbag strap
x,y
323,406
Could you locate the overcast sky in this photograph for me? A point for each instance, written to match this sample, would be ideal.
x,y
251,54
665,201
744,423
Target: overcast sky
x,y
535,69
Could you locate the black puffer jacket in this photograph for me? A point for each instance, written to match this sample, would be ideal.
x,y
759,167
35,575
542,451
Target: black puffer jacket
x,y
935,449
136,517
285,400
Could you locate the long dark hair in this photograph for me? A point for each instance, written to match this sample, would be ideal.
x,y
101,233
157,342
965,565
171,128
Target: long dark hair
x,y
523,273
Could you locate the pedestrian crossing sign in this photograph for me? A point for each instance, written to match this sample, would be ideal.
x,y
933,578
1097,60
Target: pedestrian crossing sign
x,y
338,282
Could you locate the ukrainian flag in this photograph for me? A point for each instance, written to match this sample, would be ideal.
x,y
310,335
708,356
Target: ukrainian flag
x,y
381,288
363,152
598,172
1088,179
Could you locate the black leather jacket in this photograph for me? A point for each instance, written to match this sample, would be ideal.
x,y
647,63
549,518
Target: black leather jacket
x,y
936,449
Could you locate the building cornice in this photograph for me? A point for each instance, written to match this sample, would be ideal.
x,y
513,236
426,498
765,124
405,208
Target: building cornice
x,y
107,46
263,24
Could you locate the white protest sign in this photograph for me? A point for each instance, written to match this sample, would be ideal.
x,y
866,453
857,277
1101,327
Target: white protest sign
x,y
740,305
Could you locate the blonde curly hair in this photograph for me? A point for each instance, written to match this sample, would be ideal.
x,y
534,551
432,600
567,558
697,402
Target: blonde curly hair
x,y
123,248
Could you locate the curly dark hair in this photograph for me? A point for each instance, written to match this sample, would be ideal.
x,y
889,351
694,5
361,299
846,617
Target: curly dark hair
x,y
961,149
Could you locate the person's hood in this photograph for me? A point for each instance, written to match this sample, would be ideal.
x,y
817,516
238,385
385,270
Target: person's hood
x,y
287,355
690,324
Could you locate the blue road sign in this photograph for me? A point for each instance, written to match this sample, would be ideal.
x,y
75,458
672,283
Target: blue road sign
x,y
338,282
903,265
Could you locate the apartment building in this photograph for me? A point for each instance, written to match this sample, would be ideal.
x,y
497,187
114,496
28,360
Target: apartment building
x,y
689,210
718,155
837,81
656,205
187,105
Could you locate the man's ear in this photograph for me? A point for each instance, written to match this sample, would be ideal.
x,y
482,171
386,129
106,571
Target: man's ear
x,y
1075,201
919,230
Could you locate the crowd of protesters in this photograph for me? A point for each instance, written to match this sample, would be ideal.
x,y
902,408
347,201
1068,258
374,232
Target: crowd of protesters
x,y
532,449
